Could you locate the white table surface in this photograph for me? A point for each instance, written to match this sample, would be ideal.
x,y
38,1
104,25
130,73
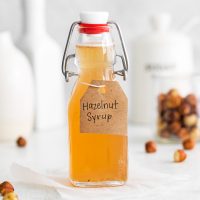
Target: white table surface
x,y
47,152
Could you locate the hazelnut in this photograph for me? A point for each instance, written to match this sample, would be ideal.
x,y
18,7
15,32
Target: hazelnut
x,y
164,133
10,196
21,142
171,116
194,110
185,109
188,144
190,120
6,187
174,127
161,125
161,102
183,133
173,92
179,155
194,133
173,99
161,98
191,99
150,147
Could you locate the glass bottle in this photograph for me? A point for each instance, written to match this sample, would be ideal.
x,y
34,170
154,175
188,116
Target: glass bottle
x,y
96,159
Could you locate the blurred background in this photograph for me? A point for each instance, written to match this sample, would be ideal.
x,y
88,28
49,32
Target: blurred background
x,y
131,15
26,20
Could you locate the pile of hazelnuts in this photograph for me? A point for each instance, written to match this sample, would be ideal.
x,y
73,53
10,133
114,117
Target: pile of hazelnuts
x,y
177,119
177,116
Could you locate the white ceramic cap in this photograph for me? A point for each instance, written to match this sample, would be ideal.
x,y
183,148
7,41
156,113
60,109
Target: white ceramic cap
x,y
94,17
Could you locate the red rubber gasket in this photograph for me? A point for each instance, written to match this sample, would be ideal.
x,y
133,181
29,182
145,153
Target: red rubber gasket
x,y
93,28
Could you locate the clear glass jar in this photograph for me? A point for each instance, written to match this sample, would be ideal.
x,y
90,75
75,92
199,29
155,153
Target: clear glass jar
x,y
176,105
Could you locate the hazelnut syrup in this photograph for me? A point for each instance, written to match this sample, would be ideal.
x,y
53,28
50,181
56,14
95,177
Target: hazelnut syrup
x,y
97,110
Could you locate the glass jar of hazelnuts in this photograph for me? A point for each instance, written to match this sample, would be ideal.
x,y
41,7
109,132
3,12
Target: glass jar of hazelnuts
x,y
176,108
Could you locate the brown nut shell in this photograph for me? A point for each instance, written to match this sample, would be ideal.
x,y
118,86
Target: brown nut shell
x,y
173,92
188,144
171,116
6,187
173,99
183,133
161,103
21,142
150,147
175,127
179,155
191,99
161,98
195,133
161,125
185,108
165,133
190,120
10,196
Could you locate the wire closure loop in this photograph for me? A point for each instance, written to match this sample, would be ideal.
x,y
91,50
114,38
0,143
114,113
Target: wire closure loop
x,y
66,57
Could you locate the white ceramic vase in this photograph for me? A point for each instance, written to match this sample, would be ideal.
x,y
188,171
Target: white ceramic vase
x,y
45,56
16,89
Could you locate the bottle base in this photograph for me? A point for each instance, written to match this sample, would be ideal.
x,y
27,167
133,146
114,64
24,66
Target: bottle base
x,y
98,184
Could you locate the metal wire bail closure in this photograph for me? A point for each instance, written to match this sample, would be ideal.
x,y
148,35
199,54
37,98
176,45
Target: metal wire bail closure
x,y
66,57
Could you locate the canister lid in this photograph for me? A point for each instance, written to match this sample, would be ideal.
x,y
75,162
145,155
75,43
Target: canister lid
x,y
88,17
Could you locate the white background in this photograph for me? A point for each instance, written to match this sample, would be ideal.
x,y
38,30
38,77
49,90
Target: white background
x,y
132,15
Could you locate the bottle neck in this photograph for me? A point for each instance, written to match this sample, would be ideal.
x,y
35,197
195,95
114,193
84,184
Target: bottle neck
x,y
95,56
88,75
34,17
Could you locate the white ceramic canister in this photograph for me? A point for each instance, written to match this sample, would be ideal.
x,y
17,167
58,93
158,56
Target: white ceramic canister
x,y
17,92
45,56
160,52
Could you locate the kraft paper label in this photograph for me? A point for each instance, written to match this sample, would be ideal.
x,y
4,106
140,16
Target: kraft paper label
x,y
104,109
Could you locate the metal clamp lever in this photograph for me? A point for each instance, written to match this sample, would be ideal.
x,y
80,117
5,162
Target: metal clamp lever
x,y
124,57
69,74
123,71
66,57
